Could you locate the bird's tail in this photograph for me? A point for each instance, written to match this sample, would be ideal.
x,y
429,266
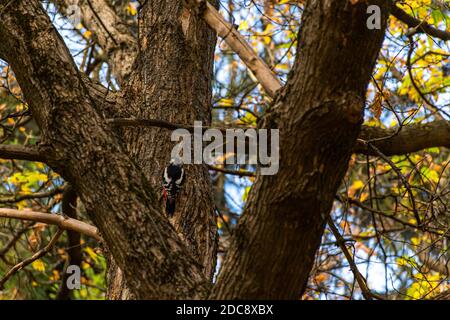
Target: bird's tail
x,y
170,206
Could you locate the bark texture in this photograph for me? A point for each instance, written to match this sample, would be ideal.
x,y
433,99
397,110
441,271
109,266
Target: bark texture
x,y
89,155
319,114
173,83
408,139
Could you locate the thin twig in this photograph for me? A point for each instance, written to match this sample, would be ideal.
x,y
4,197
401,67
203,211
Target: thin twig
x,y
403,179
29,260
367,294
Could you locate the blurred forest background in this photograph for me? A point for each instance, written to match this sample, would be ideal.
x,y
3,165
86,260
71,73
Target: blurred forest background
x,y
375,208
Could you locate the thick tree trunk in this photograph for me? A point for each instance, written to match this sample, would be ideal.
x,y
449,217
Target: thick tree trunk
x,y
319,114
89,155
173,83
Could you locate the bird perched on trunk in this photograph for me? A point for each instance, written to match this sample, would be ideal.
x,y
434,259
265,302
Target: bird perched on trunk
x,y
172,179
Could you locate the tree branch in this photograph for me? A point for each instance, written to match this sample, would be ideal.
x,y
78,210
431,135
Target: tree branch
x,y
366,292
29,260
411,138
35,195
418,25
130,122
54,219
111,33
268,80
18,152
242,173
14,239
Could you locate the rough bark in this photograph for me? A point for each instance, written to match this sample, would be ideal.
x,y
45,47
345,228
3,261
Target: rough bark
x,y
173,83
319,114
410,138
90,156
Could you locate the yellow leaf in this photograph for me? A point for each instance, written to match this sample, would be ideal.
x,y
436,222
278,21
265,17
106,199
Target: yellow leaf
x,y
415,241
131,8
226,102
38,265
376,105
357,185
22,204
244,25
91,254
83,293
55,276
87,34
364,196
402,262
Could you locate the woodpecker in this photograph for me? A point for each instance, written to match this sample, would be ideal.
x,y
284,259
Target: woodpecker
x,y
172,179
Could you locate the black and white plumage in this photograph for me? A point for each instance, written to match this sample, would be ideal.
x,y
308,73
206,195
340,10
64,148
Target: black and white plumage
x,y
172,179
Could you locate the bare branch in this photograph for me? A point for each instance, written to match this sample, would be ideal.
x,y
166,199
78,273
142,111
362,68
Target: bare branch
x,y
411,138
19,152
112,34
54,219
402,178
14,239
127,122
242,173
237,43
418,25
369,295
29,260
35,195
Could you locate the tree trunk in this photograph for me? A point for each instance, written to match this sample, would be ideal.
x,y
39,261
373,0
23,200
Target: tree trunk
x,y
90,155
173,83
319,113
